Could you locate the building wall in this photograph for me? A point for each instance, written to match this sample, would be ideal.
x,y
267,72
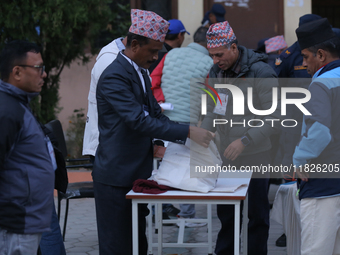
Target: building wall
x,y
190,12
252,20
74,89
293,10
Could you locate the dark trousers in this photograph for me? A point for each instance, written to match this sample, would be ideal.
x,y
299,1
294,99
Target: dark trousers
x,y
258,211
114,221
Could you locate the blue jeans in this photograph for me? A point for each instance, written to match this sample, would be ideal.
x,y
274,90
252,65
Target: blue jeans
x,y
52,242
19,244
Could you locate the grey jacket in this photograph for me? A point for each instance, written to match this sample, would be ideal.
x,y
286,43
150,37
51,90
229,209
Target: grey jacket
x,y
253,70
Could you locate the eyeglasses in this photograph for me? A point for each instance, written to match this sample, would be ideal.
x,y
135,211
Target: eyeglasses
x,y
36,66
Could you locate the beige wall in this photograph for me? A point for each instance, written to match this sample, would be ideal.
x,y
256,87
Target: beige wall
x,y
74,89
190,12
293,10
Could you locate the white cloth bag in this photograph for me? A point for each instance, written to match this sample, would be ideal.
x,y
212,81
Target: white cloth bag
x,y
181,163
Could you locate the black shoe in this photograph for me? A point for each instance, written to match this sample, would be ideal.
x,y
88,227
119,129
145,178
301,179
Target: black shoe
x,y
171,211
281,241
165,217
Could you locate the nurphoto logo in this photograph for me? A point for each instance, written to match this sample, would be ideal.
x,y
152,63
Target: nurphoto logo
x,y
238,104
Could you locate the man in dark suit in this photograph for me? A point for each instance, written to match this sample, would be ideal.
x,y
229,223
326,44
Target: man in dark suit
x,y
128,118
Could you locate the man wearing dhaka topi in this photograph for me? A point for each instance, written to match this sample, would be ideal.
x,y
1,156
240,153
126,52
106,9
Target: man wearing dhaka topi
x,y
129,117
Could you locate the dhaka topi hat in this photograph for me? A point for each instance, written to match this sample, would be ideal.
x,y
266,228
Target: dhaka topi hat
x,y
148,24
275,43
220,34
314,32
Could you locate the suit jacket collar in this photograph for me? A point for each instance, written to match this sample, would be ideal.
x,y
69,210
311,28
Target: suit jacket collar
x,y
130,69
135,77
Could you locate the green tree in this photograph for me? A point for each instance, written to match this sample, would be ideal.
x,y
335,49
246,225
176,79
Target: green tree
x,y
66,30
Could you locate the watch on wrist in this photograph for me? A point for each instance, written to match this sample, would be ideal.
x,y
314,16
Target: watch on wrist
x,y
245,140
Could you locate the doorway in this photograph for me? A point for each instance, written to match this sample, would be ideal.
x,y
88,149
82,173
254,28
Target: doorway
x,y
329,9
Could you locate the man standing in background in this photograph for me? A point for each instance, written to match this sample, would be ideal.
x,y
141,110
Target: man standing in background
x,y
27,161
173,39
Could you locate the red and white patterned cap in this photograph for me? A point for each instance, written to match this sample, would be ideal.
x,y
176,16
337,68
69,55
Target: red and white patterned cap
x,y
220,34
275,43
148,24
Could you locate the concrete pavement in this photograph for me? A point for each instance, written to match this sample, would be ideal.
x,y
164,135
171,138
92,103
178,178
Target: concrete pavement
x,y
81,233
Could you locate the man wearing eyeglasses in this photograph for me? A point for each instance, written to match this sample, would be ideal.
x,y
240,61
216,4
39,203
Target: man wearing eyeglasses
x,y
42,68
27,160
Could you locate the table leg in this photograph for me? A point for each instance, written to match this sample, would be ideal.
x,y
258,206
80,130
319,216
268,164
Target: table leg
x,y
135,227
210,250
150,229
245,226
237,229
156,218
160,228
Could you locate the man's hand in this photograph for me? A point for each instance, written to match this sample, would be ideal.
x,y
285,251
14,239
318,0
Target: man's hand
x,y
158,151
200,136
234,150
161,102
302,174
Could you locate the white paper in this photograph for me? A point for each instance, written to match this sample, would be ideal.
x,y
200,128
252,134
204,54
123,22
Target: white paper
x,y
167,106
221,109
228,185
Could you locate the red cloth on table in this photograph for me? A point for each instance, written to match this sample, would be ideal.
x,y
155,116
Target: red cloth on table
x,y
149,187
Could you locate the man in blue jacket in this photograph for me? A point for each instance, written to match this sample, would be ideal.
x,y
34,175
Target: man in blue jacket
x,y
128,118
319,145
27,160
